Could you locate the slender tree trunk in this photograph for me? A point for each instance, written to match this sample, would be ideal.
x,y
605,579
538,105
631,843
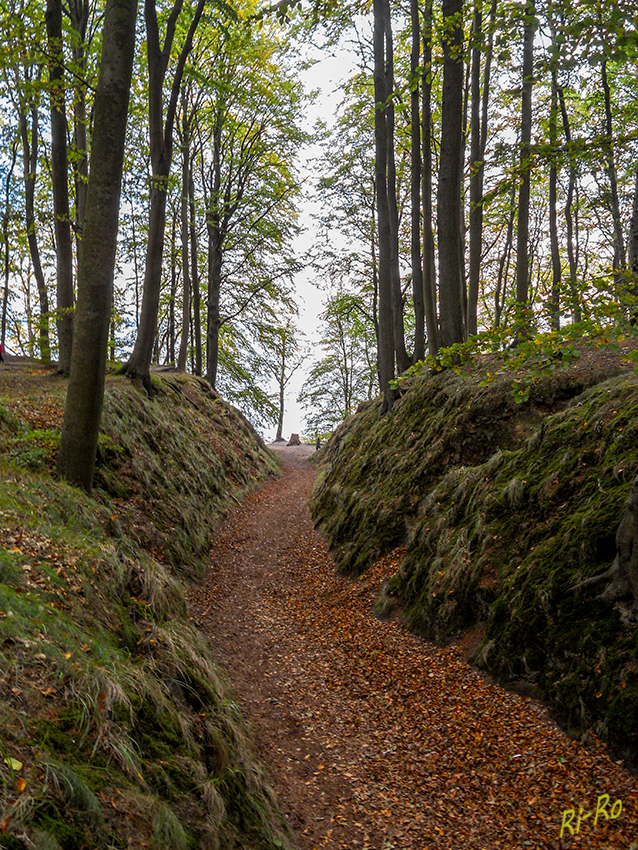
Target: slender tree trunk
x,y
112,329
522,231
478,143
59,176
553,225
375,265
161,145
215,258
633,253
569,216
282,388
30,160
170,345
186,278
462,223
504,263
197,305
5,242
633,231
476,165
402,359
79,11
386,336
83,411
620,259
415,187
429,266
449,194
136,270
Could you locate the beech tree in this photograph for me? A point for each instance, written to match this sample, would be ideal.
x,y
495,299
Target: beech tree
x,y
250,128
522,229
383,147
161,128
449,185
83,409
59,176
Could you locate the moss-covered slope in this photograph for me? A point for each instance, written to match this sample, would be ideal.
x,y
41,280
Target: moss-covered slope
x,y
116,728
504,508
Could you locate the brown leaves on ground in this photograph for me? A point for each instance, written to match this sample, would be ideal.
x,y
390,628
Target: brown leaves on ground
x,y
35,394
373,737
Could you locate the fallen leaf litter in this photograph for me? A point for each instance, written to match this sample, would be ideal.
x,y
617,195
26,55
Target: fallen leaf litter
x,y
374,738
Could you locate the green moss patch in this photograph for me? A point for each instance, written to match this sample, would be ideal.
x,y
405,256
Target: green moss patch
x,y
504,507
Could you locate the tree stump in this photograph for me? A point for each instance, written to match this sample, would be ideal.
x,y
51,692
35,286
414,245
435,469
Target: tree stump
x,y
294,440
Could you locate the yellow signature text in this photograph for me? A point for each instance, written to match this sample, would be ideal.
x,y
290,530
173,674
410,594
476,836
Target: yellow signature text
x,y
601,812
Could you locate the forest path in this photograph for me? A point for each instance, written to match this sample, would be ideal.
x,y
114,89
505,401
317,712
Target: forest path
x,y
375,739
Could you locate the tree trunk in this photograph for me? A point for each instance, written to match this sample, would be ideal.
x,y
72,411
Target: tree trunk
x,y
620,261
569,217
59,179
522,231
6,215
186,279
553,225
161,145
475,167
402,359
197,306
504,263
633,255
79,12
429,267
30,162
215,258
449,194
415,188
385,348
282,388
633,231
170,340
83,411
478,144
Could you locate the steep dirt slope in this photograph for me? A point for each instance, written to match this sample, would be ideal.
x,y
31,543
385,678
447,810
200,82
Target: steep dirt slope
x,y
503,508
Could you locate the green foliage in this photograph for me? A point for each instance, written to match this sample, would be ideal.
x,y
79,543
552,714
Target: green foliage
x,y
345,375
499,352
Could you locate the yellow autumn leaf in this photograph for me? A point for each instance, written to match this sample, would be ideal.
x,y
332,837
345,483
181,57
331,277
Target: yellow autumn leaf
x,y
21,784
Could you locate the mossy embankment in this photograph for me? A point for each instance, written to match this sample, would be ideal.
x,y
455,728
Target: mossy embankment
x,y
504,507
116,728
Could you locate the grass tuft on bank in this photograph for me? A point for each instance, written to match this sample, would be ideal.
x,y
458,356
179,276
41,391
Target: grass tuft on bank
x,y
116,728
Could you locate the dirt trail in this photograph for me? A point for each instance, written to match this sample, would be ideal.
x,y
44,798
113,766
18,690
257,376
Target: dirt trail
x,y
375,739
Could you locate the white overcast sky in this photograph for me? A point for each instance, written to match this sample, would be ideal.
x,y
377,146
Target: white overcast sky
x,y
325,77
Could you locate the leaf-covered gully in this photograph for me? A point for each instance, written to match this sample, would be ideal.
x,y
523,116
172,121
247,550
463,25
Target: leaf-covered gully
x,y
373,737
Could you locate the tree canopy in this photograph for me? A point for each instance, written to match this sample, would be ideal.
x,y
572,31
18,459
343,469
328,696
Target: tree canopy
x,y
479,184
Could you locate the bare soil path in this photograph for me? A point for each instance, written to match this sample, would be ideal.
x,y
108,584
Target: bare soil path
x,y
375,739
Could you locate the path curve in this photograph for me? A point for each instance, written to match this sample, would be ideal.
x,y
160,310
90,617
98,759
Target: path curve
x,y
373,738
